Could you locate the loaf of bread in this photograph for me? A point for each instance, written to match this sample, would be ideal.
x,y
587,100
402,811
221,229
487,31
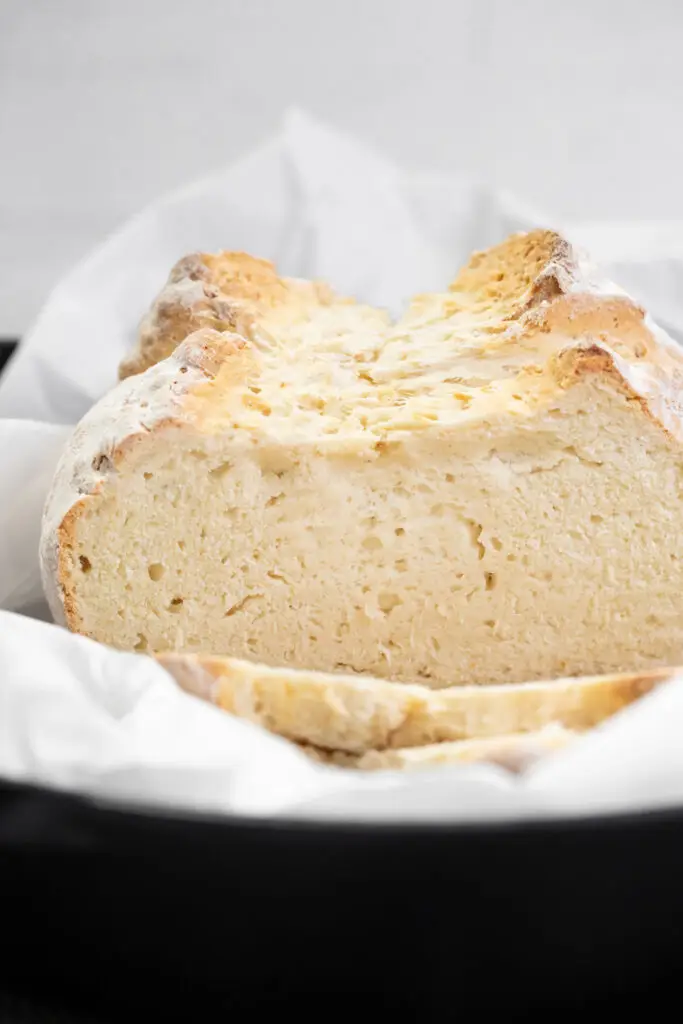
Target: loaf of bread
x,y
489,490
357,715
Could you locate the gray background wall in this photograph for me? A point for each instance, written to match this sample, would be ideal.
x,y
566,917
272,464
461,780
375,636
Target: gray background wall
x,y
106,103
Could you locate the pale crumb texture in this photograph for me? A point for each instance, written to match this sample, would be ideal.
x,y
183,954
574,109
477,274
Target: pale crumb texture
x,y
488,491
356,715
515,752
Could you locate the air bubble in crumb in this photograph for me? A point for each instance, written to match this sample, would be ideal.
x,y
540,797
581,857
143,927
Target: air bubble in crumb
x,y
141,645
155,571
372,543
86,564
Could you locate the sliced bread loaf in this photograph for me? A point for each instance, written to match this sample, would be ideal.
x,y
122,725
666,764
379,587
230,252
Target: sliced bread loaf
x,y
489,490
361,714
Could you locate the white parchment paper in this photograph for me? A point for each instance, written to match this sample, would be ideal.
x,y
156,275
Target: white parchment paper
x,y
79,716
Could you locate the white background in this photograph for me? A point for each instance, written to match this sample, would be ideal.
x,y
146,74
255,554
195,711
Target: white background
x,y
104,104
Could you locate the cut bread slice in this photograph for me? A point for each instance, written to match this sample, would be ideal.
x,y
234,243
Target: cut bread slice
x,y
515,752
488,491
357,715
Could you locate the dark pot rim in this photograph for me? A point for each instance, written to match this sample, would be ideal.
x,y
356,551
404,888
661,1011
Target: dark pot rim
x,y
112,809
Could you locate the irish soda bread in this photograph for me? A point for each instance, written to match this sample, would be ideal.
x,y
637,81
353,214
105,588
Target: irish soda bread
x,y
489,490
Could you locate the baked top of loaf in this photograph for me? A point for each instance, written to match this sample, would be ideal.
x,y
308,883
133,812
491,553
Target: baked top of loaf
x,y
487,490
293,356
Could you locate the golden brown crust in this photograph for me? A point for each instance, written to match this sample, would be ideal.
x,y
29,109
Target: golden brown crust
x,y
520,273
226,291
529,285
66,535
231,291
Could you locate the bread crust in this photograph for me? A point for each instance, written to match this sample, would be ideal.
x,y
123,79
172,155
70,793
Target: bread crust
x,y
546,287
228,291
107,434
